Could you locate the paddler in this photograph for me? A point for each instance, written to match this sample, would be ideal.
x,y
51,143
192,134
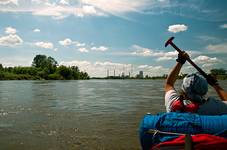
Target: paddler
x,y
193,90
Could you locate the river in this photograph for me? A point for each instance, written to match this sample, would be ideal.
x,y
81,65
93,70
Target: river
x,y
77,115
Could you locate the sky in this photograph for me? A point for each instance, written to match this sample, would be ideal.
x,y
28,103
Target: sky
x,y
127,36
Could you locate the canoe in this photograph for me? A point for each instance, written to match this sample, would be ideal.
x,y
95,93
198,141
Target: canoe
x,y
155,129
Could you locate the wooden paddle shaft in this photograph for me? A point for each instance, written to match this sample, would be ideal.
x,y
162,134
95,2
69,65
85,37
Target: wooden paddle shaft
x,y
189,60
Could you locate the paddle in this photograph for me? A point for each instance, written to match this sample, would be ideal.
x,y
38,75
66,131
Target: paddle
x,y
170,42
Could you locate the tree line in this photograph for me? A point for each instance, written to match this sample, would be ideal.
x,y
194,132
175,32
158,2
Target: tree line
x,y
42,68
219,73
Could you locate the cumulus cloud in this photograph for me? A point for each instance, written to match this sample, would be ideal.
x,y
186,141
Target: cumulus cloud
x,y
219,48
10,30
46,45
120,6
61,12
158,54
177,28
81,8
13,61
79,44
142,66
100,48
206,60
141,51
10,40
4,2
36,30
66,42
82,47
161,55
209,38
80,64
64,2
224,26
83,50
153,70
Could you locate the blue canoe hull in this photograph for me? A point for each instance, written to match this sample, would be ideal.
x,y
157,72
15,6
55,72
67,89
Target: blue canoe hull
x,y
186,123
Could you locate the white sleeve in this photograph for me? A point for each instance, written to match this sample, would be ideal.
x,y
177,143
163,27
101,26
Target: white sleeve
x,y
170,96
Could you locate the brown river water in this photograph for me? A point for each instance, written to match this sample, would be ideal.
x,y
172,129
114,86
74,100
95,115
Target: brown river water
x,y
77,115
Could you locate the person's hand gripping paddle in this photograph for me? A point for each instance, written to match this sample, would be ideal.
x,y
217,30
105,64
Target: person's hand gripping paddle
x,y
211,80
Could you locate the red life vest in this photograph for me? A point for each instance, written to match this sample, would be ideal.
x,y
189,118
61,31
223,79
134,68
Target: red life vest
x,y
178,105
200,141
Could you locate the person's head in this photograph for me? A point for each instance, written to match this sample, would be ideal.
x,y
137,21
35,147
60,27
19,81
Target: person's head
x,y
195,87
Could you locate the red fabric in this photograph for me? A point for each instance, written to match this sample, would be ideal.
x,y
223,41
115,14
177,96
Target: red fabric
x,y
193,107
200,142
177,105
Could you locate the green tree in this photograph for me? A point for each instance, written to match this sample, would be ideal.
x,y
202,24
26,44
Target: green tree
x,y
84,75
75,72
39,61
218,71
1,67
51,65
65,72
46,64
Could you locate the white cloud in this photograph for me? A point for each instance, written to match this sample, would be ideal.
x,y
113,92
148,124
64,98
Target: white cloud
x,y
164,58
66,42
10,30
152,70
207,65
100,48
177,28
63,11
57,12
78,44
36,30
206,60
224,26
80,8
81,46
89,9
119,6
10,40
222,48
83,50
16,61
64,2
46,45
208,38
4,2
161,55
142,66
98,68
141,51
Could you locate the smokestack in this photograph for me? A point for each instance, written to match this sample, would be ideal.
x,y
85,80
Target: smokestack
x,y
107,72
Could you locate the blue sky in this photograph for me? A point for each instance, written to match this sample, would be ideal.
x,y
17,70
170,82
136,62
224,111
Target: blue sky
x,y
121,35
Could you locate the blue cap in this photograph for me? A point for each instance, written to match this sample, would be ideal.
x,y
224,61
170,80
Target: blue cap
x,y
195,86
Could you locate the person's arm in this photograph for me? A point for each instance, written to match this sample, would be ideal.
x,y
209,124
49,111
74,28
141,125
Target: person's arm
x,y
220,91
172,77
214,83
